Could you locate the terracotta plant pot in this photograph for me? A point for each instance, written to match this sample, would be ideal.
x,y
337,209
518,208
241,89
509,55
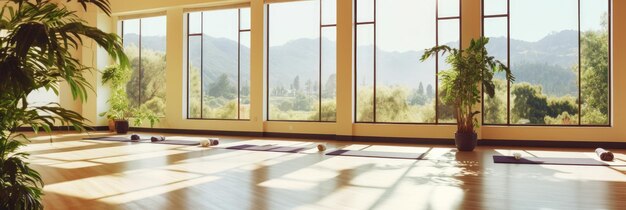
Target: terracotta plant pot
x,y
121,126
465,141
111,125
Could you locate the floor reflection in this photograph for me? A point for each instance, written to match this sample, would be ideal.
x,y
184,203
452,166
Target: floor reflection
x,y
109,175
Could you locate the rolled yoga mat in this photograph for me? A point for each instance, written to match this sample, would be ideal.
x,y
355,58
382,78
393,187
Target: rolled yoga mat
x,y
268,148
604,154
113,138
549,161
209,142
376,154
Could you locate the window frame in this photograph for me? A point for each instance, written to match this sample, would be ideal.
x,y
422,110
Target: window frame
x,y
578,103
355,62
240,30
319,71
139,49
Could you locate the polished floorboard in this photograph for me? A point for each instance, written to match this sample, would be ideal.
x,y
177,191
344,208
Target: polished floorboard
x,y
87,174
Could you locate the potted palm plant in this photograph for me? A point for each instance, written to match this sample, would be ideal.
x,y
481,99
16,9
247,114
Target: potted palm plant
x,y
36,45
471,69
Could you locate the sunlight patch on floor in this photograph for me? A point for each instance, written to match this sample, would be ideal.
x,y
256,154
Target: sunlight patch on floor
x,y
421,197
158,190
121,150
55,145
117,184
139,156
227,161
348,197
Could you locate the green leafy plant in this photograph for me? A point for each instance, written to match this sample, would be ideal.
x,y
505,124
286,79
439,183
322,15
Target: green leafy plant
x,y
471,68
117,77
36,53
142,114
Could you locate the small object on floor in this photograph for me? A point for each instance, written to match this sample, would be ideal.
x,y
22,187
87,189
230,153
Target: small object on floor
x,y
205,143
214,141
321,147
604,155
162,138
154,139
134,137
517,155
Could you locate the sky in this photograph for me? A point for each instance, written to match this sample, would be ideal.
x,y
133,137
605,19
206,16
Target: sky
x,y
402,25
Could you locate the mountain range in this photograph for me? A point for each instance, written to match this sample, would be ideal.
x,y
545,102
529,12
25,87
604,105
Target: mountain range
x,y
548,61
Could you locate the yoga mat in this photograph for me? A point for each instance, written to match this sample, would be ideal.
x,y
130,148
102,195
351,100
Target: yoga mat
x,y
124,139
376,154
268,148
549,161
113,138
604,155
178,142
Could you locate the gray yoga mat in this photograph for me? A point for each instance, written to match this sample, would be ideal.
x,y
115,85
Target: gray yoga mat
x,y
549,161
376,154
113,138
268,148
124,139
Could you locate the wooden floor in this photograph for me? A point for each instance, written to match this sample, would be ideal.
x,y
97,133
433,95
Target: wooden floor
x,y
85,174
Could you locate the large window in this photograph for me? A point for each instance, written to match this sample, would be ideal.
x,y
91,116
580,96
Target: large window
x,y
392,85
218,64
559,53
302,60
144,43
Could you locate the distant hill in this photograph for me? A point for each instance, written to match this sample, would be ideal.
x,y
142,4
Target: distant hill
x,y
548,62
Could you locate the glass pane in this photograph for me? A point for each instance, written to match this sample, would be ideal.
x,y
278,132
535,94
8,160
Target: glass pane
x,y
194,77
329,12
220,64
364,73
594,62
195,22
244,63
449,8
364,10
244,18
449,34
495,7
131,48
544,60
495,108
329,73
42,97
401,79
293,59
153,41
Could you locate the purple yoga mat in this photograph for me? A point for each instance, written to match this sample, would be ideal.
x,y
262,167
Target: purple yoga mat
x,y
113,138
268,148
549,161
376,154
178,142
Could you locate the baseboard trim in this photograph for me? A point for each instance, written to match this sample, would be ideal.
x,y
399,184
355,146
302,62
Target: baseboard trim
x,y
64,128
552,143
374,139
299,135
400,140
198,132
